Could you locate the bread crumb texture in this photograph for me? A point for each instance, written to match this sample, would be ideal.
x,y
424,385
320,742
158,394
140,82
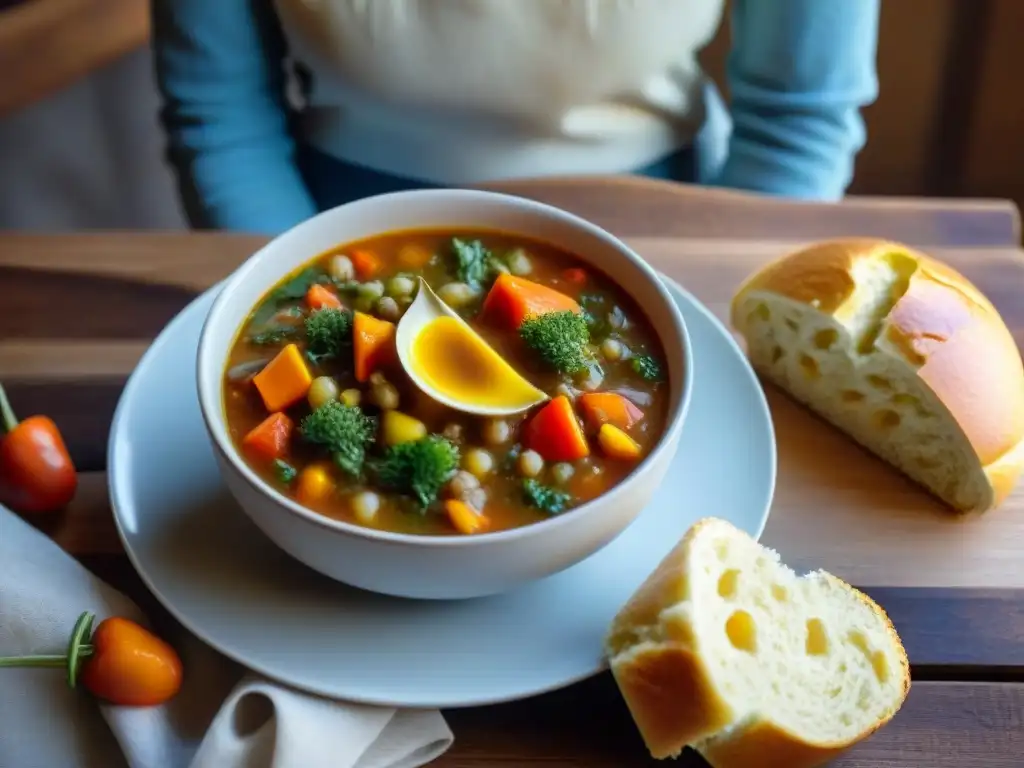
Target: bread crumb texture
x,y
902,353
726,649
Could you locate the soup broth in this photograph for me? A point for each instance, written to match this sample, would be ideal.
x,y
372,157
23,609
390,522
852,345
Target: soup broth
x,y
320,407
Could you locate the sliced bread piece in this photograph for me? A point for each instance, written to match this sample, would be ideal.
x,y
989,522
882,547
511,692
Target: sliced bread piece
x,y
725,649
902,353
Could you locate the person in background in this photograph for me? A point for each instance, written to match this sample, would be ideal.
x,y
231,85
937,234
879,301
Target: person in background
x,y
278,109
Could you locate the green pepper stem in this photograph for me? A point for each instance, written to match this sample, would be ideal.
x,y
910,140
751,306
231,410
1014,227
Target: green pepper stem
x,y
46,660
8,421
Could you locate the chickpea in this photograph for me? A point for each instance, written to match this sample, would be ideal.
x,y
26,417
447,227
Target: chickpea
x,y
476,498
462,482
452,431
365,505
323,390
388,309
401,286
479,462
617,319
565,390
372,290
496,431
519,263
384,395
340,268
562,472
593,379
456,294
612,349
351,397
530,464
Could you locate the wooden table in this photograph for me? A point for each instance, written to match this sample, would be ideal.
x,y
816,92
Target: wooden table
x,y
79,310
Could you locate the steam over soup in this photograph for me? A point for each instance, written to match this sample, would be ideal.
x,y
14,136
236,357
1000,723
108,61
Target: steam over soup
x,y
320,406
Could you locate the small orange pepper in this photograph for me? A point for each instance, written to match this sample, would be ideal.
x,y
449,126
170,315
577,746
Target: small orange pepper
x,y
36,471
121,662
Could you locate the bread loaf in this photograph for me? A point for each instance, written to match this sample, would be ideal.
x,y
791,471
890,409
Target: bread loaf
x,y
901,352
725,649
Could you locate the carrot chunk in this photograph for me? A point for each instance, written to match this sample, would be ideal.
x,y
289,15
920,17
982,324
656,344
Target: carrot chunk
x,y
512,299
269,439
414,256
321,297
366,263
373,344
575,275
608,408
555,432
616,444
284,380
464,517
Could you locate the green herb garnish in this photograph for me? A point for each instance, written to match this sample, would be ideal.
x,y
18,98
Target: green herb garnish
x,y
419,468
274,335
328,332
647,367
344,430
545,498
509,462
475,263
560,338
292,289
297,286
285,472
594,313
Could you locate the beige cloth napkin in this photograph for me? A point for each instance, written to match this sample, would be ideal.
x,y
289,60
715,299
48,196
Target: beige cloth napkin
x,y
222,718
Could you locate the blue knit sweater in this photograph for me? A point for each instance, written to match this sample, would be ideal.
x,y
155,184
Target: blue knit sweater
x,y
799,73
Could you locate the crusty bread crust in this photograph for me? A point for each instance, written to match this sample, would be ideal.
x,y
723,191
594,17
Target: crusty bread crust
x,y
941,325
660,674
669,691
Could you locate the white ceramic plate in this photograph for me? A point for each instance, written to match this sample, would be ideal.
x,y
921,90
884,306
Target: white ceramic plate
x,y
228,584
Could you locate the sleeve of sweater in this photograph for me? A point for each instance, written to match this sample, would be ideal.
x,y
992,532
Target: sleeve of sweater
x,y
799,73
219,67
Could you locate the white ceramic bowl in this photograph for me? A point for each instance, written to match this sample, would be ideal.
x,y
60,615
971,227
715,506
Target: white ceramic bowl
x,y
444,567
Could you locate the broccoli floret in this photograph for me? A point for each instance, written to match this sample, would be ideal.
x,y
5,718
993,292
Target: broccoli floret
x,y
647,367
560,338
327,332
475,264
545,498
344,430
419,468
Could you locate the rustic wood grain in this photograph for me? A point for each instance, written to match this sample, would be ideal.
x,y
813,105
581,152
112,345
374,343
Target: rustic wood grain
x,y
954,588
942,725
75,372
637,206
940,627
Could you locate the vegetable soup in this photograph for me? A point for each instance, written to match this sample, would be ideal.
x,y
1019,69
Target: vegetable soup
x,y
319,404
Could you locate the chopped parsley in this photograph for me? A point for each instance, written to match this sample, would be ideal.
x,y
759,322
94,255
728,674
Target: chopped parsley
x,y
544,497
285,472
647,367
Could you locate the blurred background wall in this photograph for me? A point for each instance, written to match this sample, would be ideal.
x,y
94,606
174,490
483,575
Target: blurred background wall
x,y
80,146
949,119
